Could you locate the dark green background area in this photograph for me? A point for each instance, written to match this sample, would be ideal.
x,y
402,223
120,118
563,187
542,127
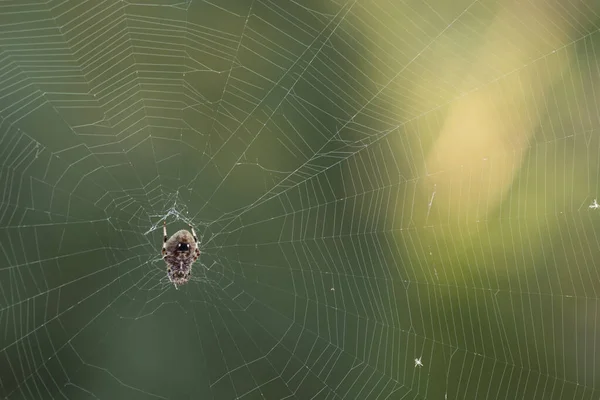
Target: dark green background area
x,y
287,134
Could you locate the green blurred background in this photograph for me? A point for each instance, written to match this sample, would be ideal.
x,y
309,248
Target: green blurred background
x,y
374,182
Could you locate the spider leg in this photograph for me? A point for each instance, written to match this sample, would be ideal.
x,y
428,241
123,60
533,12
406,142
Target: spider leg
x,y
194,234
165,237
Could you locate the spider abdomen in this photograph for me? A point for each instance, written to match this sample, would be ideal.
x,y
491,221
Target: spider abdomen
x,y
179,261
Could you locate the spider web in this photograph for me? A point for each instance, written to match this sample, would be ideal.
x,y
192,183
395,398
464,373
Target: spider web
x,y
311,145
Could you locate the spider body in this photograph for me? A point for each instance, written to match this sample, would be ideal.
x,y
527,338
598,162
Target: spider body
x,y
180,251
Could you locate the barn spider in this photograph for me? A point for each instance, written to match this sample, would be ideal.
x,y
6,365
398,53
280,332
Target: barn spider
x,y
180,251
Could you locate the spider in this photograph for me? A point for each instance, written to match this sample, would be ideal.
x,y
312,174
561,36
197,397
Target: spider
x,y
180,251
418,362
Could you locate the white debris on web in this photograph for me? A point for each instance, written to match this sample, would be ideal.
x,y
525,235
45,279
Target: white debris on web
x,y
418,362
